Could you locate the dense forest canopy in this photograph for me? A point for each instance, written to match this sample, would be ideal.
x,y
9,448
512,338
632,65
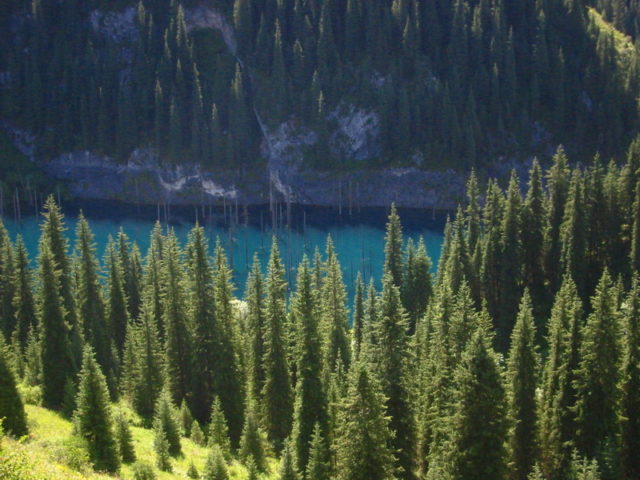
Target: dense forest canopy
x,y
454,83
519,359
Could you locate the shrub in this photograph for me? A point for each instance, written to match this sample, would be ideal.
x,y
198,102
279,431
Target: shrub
x,y
192,472
15,466
31,394
73,452
143,471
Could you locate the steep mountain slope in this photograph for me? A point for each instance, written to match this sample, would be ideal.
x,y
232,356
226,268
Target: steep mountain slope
x,y
330,85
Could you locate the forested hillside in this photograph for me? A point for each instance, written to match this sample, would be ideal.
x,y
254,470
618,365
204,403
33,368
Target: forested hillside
x,y
431,84
518,360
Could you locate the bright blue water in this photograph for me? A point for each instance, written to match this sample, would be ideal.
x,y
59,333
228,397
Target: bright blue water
x,y
358,239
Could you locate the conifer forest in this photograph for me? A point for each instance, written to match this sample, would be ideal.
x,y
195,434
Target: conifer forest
x,y
513,353
518,359
456,82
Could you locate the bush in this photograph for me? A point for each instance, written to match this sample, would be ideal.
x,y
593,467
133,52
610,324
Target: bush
x,y
73,453
192,472
143,471
31,394
16,466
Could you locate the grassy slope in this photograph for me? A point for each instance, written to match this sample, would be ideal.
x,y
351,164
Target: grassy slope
x,y
44,458
623,43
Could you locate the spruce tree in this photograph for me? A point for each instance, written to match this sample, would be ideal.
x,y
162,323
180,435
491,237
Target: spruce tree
x,y
358,316
253,473
336,393
630,386
510,264
584,469
362,442
252,446
186,419
203,321
197,435
456,265
417,288
369,336
532,242
335,318
242,18
174,318
117,311
23,299
392,363
472,213
215,467
149,371
572,233
57,361
90,303
93,415
635,233
318,467
218,431
556,416
276,393
131,271
255,331
227,380
165,421
310,402
479,422
521,379
288,470
435,370
557,187
129,362
596,380
33,359
13,419
393,247
124,439
463,322
53,239
7,284
153,278
161,448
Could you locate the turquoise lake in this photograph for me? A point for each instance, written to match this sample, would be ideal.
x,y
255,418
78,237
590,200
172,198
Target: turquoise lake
x,y
358,237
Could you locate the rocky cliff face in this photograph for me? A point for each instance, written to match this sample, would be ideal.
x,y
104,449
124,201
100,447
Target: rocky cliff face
x,y
144,180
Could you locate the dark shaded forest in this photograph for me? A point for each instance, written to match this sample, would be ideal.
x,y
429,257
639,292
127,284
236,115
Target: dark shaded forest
x,y
454,83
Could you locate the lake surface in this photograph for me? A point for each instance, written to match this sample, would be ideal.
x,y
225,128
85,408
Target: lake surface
x,y
358,235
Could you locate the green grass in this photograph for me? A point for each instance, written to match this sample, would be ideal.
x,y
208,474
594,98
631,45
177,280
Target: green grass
x,y
623,43
51,452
